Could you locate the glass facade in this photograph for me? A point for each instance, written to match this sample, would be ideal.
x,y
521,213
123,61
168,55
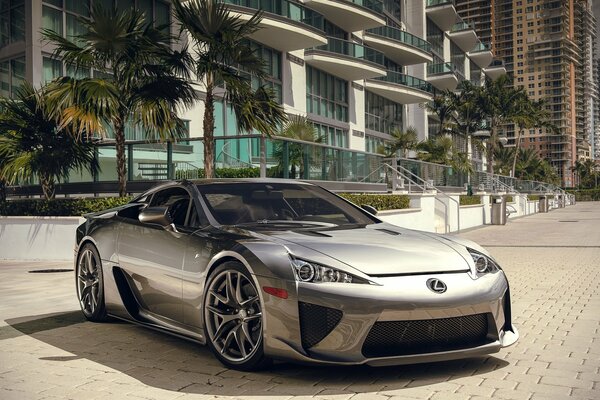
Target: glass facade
x,y
457,57
12,21
12,74
435,36
374,144
382,115
272,67
326,95
51,69
332,135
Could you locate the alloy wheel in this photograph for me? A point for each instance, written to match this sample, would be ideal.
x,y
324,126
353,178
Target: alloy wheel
x,y
88,281
234,316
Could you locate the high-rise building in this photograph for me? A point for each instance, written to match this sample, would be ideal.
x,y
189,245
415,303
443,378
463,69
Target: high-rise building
x,y
546,47
357,69
596,68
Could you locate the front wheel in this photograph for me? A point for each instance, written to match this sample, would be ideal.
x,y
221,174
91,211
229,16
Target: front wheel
x,y
90,284
233,317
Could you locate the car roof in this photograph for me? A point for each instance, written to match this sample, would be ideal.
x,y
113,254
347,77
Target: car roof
x,y
247,180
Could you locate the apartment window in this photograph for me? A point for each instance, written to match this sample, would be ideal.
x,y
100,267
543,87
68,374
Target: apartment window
x,y
12,21
51,69
519,41
272,67
382,115
373,144
332,135
531,85
12,74
520,64
326,95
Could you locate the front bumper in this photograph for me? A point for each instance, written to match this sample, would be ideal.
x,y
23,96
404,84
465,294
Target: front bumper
x,y
405,298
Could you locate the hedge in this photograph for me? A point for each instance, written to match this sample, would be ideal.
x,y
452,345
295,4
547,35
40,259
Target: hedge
x,y
586,194
248,172
469,200
533,197
80,206
380,201
60,207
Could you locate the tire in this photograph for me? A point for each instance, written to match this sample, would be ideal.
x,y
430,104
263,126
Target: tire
x,y
89,282
233,323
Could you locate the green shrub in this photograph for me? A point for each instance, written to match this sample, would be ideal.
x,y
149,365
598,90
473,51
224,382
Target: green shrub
x,y
509,199
469,200
60,207
248,172
586,194
533,197
380,201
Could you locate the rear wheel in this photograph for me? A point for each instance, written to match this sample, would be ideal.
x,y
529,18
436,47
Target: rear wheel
x,y
90,284
233,318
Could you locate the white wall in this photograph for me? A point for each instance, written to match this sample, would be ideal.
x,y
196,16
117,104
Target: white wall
x,y
38,238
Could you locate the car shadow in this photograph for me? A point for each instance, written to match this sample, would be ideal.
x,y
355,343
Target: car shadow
x,y
167,362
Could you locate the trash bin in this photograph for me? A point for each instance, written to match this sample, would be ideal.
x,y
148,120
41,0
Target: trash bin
x,y
543,204
498,210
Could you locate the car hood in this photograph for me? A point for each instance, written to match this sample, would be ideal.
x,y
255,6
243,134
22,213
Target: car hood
x,y
380,249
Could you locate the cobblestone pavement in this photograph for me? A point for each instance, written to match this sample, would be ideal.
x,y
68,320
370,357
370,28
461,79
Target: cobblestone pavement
x,y
48,351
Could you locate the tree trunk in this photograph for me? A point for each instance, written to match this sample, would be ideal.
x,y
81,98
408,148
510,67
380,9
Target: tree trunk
x,y
2,190
119,127
517,143
47,183
209,130
490,152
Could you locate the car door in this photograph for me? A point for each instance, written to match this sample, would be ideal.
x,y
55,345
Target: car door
x,y
152,256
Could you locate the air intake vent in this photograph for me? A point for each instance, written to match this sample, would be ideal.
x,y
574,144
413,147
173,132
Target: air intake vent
x,y
397,338
316,322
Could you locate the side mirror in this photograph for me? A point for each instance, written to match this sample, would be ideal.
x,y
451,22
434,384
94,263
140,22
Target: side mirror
x,y
156,215
369,209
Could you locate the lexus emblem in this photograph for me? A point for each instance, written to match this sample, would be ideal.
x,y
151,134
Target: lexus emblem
x,y
437,286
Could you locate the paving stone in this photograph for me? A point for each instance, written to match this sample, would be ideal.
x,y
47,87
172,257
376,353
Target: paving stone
x,y
48,350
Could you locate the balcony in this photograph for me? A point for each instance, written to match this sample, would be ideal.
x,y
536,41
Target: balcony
x,y
286,26
442,76
463,35
350,15
481,55
495,69
399,46
442,13
347,60
400,88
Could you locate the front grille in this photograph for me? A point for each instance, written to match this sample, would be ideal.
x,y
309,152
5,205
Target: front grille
x,y
316,322
397,338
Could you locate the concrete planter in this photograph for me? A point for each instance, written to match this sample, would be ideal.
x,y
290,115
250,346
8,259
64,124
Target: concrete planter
x,y
38,238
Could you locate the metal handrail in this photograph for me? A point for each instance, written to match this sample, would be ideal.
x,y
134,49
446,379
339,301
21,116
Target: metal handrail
x,y
427,186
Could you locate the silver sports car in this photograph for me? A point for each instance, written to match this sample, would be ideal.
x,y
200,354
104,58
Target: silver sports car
x,y
274,269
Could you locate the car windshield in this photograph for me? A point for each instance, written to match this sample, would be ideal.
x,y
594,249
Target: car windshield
x,y
279,204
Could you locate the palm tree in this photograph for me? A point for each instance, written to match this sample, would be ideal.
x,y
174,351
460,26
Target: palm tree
x,y
141,80
528,114
497,99
587,173
443,108
437,150
33,143
402,140
297,128
503,157
225,58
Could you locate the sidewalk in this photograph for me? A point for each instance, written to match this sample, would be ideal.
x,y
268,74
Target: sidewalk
x,y
48,351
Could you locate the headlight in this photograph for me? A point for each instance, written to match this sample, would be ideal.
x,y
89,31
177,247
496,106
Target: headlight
x,y
311,272
483,263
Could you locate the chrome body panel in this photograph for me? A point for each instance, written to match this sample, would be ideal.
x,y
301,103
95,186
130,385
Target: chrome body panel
x,y
156,277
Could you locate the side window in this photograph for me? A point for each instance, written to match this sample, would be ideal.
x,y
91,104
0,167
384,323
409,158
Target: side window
x,y
178,201
197,220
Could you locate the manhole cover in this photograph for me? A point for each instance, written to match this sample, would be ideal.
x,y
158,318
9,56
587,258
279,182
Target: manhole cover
x,y
568,221
49,271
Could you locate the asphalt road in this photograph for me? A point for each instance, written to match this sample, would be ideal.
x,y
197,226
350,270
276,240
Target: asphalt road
x,y
48,351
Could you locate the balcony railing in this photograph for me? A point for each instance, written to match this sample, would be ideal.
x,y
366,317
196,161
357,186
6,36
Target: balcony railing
x,y
352,49
433,3
480,47
496,63
373,5
460,26
288,9
406,80
442,68
401,36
